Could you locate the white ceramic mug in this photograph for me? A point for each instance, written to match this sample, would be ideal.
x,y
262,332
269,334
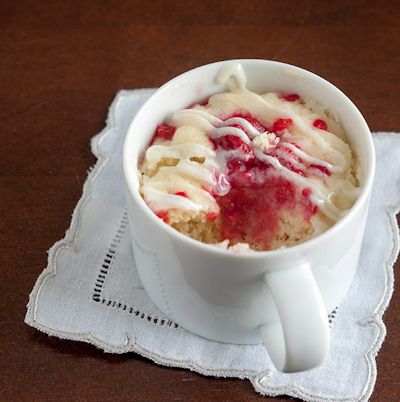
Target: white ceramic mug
x,y
280,297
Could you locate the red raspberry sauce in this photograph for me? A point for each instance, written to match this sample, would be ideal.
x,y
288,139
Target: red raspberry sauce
x,y
212,216
164,131
321,124
252,120
228,142
250,212
281,124
163,214
182,194
323,169
286,163
291,97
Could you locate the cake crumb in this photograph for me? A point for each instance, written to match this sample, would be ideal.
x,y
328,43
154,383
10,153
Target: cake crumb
x,y
265,141
237,248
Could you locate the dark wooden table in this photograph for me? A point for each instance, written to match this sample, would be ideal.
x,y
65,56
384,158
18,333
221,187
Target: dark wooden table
x,y
61,65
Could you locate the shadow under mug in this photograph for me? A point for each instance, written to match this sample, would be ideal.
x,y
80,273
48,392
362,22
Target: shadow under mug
x,y
280,297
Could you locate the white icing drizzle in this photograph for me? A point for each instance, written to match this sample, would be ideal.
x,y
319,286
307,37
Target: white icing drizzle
x,y
229,72
248,127
160,195
221,185
196,177
223,131
319,194
159,200
233,154
289,158
181,151
190,170
197,118
311,159
304,128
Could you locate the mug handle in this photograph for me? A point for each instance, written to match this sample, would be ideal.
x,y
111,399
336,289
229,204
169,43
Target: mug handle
x,y
300,340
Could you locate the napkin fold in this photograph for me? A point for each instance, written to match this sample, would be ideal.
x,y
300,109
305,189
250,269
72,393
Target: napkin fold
x,y
90,290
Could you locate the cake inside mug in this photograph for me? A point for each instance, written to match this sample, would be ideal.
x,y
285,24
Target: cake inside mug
x,y
247,171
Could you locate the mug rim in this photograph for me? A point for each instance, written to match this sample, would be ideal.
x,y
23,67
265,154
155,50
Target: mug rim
x,y
369,167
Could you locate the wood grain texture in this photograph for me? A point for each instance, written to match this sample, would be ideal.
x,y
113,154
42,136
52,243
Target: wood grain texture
x,y
61,65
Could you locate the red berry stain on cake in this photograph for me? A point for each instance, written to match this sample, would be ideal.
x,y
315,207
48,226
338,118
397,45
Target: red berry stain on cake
x,y
290,163
163,214
323,169
182,194
212,216
229,142
250,213
321,124
291,97
281,124
257,124
251,210
164,132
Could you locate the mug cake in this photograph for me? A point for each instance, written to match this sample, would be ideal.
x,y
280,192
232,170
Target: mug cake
x,y
247,171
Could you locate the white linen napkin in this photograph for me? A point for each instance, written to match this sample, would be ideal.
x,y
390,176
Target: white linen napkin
x,y
90,290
